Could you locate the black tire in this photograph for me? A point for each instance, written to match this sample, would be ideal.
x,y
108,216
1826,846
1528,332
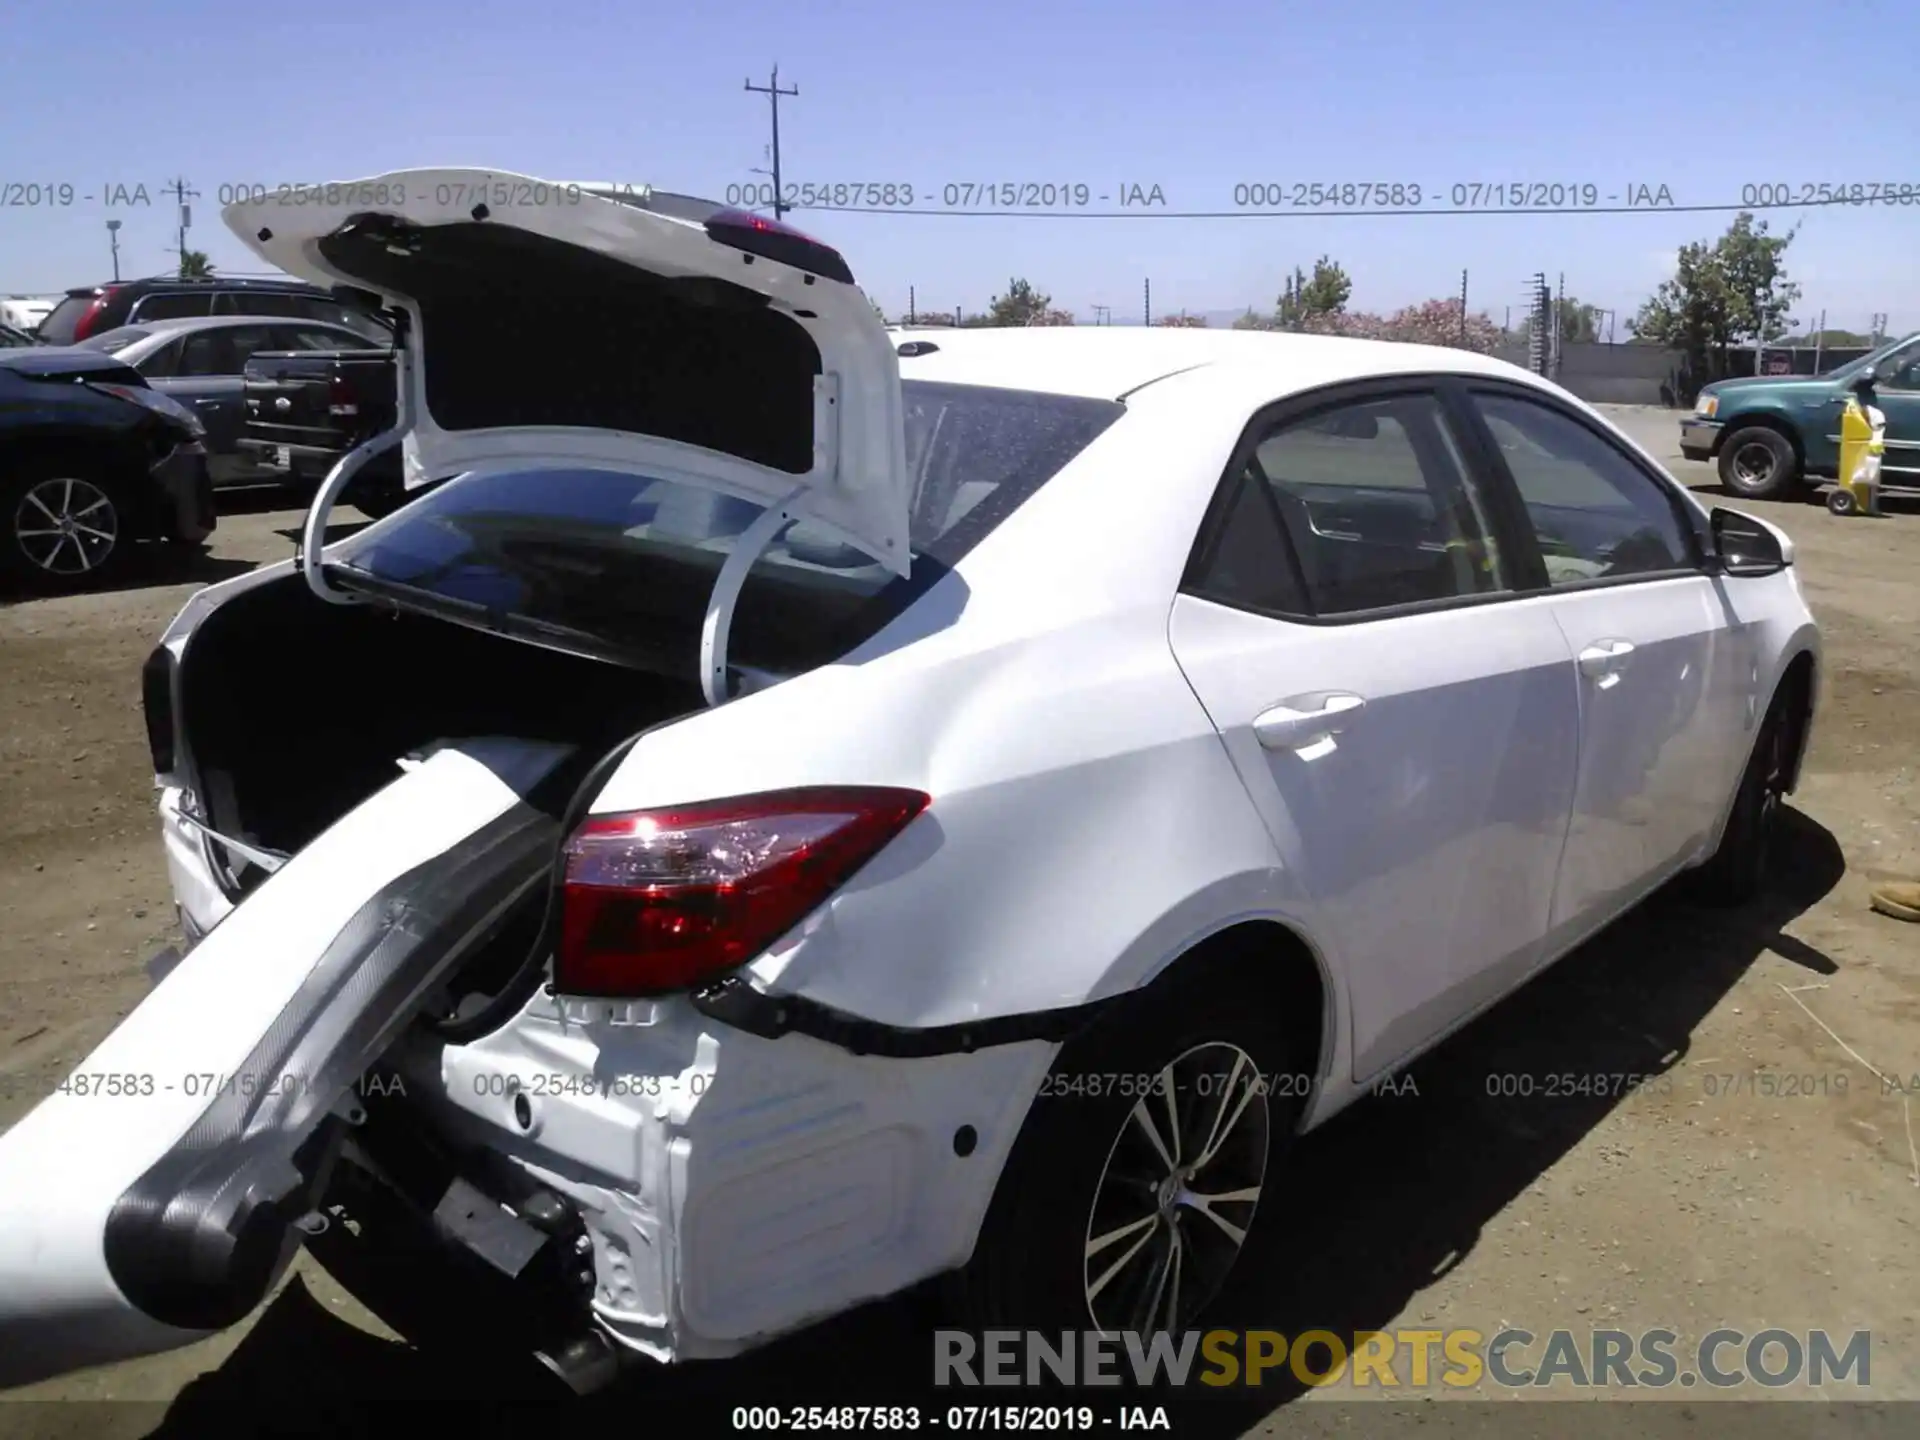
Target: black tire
x,y
1737,871
1757,463
64,525
1030,1268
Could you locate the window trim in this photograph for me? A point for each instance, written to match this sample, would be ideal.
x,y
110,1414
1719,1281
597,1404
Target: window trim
x,y
1693,529
1512,528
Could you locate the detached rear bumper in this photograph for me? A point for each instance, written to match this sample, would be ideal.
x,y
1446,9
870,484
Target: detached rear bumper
x,y
1699,438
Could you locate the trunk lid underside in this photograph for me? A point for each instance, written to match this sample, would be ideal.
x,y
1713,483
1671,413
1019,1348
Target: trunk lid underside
x,y
554,327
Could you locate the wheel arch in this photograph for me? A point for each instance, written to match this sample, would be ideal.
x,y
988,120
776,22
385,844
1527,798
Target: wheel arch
x,y
1799,686
1280,969
118,454
1764,420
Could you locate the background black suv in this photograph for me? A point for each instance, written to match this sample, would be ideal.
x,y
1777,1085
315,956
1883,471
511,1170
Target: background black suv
x,y
95,309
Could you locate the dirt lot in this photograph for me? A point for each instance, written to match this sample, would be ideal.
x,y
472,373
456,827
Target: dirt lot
x,y
1717,1199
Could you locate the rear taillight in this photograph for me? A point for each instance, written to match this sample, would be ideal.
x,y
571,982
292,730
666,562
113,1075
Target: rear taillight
x,y
656,901
342,398
90,317
757,235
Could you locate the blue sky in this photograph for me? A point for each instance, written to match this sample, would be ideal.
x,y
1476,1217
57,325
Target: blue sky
x,y
1192,98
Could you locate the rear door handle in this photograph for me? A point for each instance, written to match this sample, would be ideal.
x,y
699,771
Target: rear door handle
x,y
1602,659
1305,719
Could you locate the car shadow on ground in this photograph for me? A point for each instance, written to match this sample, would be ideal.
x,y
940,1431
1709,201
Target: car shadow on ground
x,y
149,567
1381,1203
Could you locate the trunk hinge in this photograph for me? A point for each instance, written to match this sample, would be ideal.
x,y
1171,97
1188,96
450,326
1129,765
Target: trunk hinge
x,y
312,537
715,628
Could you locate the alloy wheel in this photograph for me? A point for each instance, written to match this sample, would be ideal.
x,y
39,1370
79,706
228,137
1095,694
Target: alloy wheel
x,y
66,526
1178,1192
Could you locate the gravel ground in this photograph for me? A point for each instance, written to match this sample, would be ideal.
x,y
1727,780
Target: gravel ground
x,y
1715,1198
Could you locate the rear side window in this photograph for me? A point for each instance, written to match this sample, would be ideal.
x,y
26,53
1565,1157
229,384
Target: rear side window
x,y
178,305
64,319
1361,507
626,562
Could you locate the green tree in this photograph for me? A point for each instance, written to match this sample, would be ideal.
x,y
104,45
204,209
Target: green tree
x,y
1183,320
1309,297
1579,323
1730,292
194,265
1253,320
1019,306
1756,276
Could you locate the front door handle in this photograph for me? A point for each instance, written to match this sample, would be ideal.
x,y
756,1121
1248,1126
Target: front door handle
x,y
1602,659
1305,719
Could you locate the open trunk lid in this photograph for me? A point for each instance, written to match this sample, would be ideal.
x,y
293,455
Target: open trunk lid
x,y
553,325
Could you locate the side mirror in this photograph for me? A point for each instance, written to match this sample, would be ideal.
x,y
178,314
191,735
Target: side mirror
x,y
1745,546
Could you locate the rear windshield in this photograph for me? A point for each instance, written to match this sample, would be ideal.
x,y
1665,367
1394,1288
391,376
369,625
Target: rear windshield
x,y
114,341
622,565
64,319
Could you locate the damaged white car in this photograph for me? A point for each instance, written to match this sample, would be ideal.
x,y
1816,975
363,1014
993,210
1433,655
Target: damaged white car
x,y
802,810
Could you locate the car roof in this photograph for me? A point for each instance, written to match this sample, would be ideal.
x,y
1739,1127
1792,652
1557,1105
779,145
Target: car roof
x,y
199,282
1109,362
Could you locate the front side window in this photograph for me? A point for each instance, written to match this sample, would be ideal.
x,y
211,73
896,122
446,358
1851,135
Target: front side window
x,y
163,363
1595,513
621,564
207,353
1361,507
1901,370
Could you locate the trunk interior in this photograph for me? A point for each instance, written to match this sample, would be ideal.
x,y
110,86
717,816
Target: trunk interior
x,y
295,710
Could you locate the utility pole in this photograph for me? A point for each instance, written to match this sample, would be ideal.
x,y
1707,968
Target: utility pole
x,y
1146,302
1100,314
1463,307
1559,323
182,192
773,92
113,237
910,311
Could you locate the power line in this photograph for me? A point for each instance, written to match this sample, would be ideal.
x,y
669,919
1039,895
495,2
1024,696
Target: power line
x,y
773,92
1306,214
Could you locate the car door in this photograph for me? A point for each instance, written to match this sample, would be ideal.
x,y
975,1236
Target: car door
x,y
1896,390
1362,623
1666,669
200,371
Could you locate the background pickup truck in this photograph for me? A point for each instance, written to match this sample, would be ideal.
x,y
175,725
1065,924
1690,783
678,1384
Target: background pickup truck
x,y
1772,435
304,409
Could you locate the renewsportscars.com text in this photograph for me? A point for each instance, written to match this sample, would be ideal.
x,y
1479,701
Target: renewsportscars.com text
x,y
1407,1359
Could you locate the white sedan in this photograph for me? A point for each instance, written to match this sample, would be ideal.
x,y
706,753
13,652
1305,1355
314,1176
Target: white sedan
x,y
812,809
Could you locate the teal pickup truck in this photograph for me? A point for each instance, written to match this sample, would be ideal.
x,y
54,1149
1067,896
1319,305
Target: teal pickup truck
x,y
1770,436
